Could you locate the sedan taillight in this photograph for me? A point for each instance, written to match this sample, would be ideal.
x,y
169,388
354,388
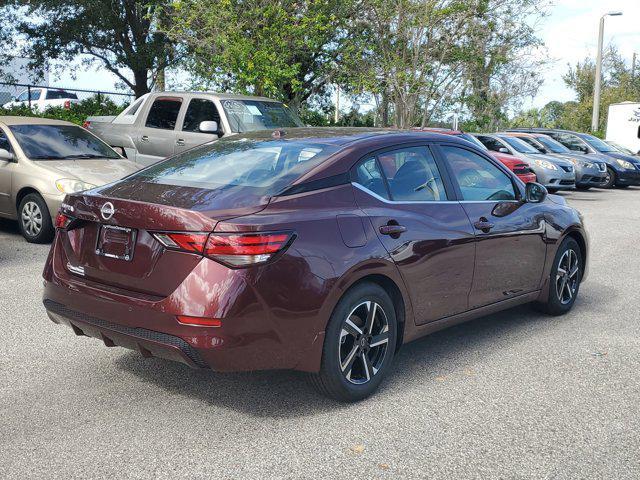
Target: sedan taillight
x,y
232,249
62,220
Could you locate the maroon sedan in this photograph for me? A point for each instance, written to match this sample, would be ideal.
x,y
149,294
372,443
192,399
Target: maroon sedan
x,y
311,249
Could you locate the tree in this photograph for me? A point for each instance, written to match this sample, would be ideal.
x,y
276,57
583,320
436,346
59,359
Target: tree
x,y
119,35
501,67
407,54
284,49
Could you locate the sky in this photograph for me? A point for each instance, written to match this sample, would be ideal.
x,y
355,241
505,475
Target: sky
x,y
570,33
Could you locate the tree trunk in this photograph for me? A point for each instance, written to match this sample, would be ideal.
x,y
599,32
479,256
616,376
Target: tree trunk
x,y
161,81
140,86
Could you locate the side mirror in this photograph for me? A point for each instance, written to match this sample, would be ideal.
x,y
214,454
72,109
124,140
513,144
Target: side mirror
x,y
6,155
535,193
503,150
208,126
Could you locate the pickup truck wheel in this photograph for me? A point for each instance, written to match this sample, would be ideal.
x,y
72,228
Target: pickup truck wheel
x,y
34,219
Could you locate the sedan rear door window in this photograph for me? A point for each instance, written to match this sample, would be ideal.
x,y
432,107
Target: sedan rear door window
x,y
477,177
367,173
412,175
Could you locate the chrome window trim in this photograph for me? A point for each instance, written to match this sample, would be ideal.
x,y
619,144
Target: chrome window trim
x,y
410,202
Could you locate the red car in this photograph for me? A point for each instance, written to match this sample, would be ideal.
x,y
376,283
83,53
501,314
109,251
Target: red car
x,y
515,164
321,250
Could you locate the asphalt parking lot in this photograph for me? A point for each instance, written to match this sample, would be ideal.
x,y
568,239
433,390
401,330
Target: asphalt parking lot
x,y
512,395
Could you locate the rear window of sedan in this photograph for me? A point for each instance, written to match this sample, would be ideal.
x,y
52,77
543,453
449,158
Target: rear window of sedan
x,y
268,166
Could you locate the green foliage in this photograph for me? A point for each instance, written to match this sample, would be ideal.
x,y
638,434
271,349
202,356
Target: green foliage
x,y
282,49
77,113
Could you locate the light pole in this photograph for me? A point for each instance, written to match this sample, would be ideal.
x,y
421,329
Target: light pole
x,y
595,118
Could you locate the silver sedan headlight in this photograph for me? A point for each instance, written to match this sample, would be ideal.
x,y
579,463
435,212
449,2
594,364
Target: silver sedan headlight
x,y
545,164
70,185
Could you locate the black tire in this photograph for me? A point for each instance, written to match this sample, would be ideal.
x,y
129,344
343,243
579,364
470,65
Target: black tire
x,y
610,180
341,341
552,190
560,303
622,186
583,188
34,219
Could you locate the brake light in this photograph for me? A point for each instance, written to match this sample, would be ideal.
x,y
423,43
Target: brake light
x,y
199,321
245,249
231,249
67,104
62,220
186,241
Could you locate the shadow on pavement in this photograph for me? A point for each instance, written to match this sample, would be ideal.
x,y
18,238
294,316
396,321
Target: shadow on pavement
x,y
278,394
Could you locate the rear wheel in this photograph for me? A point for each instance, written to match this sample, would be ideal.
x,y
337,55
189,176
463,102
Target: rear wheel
x,y
34,219
359,344
610,179
565,278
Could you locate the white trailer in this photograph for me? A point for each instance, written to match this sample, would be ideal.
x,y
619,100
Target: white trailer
x,y
623,125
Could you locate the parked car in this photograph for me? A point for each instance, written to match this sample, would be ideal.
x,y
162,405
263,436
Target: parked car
x,y
623,125
554,173
159,125
41,161
322,250
588,173
622,170
44,98
621,148
515,164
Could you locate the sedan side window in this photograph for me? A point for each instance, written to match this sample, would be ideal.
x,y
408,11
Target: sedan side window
x,y
412,175
477,177
368,174
491,143
572,142
164,113
200,110
4,142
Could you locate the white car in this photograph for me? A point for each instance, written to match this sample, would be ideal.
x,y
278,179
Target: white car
x,y
43,98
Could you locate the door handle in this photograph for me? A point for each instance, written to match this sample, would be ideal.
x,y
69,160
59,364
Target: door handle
x,y
144,138
180,142
392,229
483,225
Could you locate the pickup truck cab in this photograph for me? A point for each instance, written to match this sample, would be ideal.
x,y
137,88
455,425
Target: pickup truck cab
x,y
43,98
161,124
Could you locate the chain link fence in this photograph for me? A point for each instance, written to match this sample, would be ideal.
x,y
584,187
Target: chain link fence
x,y
27,94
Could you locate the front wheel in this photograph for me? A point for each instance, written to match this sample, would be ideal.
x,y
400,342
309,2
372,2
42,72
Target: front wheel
x,y
610,179
359,344
34,219
565,278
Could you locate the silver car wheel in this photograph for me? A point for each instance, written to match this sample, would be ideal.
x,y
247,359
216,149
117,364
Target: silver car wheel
x,y
567,276
363,342
31,217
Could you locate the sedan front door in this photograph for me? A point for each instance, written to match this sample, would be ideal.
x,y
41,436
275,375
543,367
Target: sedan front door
x,y
428,235
510,233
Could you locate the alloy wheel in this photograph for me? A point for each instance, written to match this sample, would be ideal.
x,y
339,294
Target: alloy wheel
x,y
31,218
364,342
567,276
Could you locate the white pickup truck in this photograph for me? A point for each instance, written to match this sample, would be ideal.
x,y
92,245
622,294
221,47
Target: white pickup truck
x,y
161,124
43,98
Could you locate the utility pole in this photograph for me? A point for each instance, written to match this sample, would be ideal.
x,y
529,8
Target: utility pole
x,y
633,66
595,118
336,116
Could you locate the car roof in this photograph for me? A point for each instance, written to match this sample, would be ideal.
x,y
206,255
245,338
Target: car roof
x,y
219,96
11,120
341,136
518,134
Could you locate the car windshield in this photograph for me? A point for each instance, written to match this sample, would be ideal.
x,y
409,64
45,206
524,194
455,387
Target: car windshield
x,y
251,115
60,142
598,144
551,145
518,145
265,167
474,140
620,148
